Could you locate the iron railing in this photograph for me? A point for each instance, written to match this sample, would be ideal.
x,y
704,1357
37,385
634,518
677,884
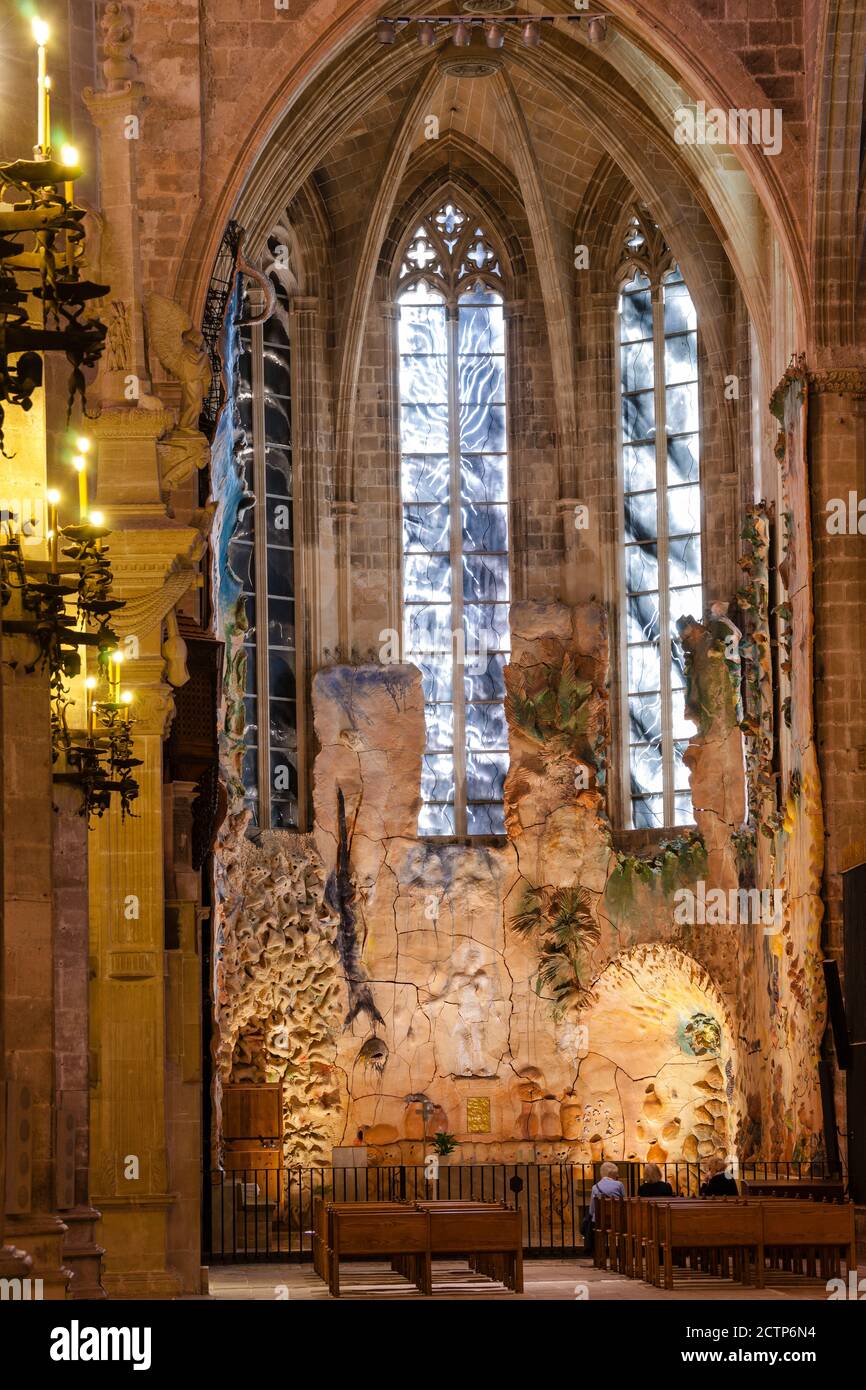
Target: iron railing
x,y
266,1214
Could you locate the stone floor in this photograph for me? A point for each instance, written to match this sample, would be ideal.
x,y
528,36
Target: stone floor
x,y
544,1279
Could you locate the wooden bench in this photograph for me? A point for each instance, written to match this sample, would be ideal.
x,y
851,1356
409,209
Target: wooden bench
x,y
731,1228
815,1234
488,1233
399,1233
811,1189
322,1227
490,1236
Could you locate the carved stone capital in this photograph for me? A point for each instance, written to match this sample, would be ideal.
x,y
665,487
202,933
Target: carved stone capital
x,y
133,422
105,107
838,381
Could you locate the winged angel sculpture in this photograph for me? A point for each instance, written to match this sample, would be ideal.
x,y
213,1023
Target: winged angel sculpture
x,y
181,351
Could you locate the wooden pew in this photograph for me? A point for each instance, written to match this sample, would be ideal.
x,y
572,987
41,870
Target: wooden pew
x,y
815,1189
708,1224
491,1236
322,1208
815,1233
396,1233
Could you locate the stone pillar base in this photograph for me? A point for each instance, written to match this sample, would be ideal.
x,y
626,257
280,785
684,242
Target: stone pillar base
x,y
82,1254
43,1236
147,1284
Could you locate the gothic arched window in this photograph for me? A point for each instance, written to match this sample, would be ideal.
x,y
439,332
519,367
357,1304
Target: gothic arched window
x,y
454,486
660,534
262,556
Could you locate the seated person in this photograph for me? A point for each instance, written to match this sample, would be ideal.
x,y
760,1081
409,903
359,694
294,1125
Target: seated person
x,y
653,1184
608,1185
719,1183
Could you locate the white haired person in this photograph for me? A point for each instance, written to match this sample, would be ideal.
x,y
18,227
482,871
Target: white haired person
x,y
654,1185
608,1185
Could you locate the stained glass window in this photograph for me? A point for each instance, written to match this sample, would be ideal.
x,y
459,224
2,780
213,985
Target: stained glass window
x,y
454,482
263,556
661,522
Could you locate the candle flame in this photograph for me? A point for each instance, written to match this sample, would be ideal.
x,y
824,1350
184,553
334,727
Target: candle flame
x,y
82,443
90,683
96,518
126,697
40,31
53,496
79,463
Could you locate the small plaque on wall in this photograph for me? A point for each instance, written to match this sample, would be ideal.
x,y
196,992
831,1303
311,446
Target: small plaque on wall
x,y
478,1115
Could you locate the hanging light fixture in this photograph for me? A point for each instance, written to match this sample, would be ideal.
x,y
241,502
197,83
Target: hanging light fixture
x,y
596,29
493,35
531,33
426,33
462,33
386,30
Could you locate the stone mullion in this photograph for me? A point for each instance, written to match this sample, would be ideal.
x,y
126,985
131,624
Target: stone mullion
x,y
458,641
661,450
260,562
391,421
517,419
306,470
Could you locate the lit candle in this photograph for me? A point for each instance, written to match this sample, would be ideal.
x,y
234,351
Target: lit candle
x,y
79,463
40,34
69,158
97,519
114,661
53,497
47,117
89,706
126,701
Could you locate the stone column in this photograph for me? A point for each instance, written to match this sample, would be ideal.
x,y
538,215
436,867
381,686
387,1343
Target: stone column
x,y
343,511
32,1223
127,904
71,970
837,461
183,1039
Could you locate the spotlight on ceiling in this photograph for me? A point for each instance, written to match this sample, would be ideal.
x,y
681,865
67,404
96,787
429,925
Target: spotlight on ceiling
x,y
386,31
493,36
596,29
462,33
531,33
426,33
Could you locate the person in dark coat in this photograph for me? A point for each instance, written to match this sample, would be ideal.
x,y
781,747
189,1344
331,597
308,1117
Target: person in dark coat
x,y
719,1183
653,1184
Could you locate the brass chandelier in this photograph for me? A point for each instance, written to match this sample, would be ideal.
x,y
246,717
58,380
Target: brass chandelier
x,y
59,605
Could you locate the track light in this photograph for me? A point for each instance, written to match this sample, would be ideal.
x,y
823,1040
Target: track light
x,y
386,31
493,36
426,33
531,33
462,34
596,29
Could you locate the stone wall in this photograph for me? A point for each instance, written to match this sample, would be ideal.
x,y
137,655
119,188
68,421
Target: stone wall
x,y
376,971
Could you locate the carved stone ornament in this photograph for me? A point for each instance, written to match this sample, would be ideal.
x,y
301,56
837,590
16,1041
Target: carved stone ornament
x,y
119,67
181,350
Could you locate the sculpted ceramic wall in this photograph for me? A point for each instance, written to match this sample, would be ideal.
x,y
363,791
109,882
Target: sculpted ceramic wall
x,y
374,971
